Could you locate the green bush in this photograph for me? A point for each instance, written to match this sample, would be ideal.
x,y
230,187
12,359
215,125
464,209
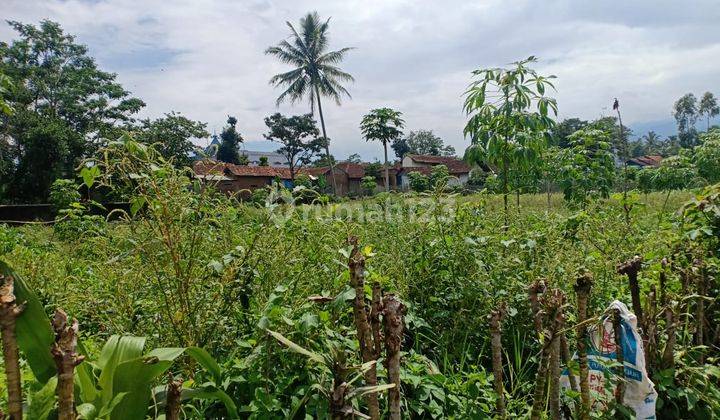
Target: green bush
x,y
63,192
418,182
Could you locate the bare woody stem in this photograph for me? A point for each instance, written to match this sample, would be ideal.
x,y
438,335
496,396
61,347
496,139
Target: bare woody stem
x,y
668,357
630,268
394,327
496,318
583,284
9,311
567,358
554,368
536,289
356,265
620,371
375,311
173,404
66,358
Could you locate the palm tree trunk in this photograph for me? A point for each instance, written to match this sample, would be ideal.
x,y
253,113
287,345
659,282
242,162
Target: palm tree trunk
x,y
387,171
327,141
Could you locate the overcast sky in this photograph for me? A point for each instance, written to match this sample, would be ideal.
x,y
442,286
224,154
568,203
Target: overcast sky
x,y
206,58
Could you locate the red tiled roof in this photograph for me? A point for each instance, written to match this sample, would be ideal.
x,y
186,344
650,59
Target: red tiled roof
x,y
206,167
425,170
454,165
648,160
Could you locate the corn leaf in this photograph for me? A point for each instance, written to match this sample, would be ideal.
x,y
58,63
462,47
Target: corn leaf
x,y
206,361
214,394
34,332
295,347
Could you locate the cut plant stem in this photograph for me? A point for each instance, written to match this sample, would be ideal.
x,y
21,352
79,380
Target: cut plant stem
x,y
375,311
583,284
66,358
173,403
668,357
618,334
356,265
394,326
496,318
630,268
9,311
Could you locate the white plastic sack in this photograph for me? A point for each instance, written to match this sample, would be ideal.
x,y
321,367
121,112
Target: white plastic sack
x,y
640,392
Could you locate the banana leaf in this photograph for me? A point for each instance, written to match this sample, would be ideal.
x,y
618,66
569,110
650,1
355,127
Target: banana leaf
x,y
32,328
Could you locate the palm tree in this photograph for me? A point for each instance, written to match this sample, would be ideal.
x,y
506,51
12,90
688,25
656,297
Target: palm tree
x,y
385,125
315,72
652,142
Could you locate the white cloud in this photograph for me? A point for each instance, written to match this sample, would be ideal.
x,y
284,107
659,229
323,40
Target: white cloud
x,y
205,58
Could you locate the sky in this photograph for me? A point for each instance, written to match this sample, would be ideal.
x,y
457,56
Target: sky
x,y
205,58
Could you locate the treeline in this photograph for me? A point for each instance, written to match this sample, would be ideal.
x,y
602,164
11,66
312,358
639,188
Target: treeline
x,y
58,107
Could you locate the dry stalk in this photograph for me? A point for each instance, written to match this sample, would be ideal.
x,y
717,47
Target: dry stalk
x,y
394,326
66,358
9,311
618,334
496,318
583,284
356,264
173,401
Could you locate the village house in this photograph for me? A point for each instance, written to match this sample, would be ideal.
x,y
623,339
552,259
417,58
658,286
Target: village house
x,y
647,161
230,178
458,169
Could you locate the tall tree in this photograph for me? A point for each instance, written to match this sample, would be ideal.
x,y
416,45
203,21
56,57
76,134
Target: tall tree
x,y
315,73
652,143
509,121
64,106
172,136
421,142
229,150
564,129
685,112
384,125
299,138
708,107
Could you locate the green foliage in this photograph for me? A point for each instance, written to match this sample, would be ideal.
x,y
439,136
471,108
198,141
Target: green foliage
x,y
708,107
368,185
75,223
63,192
509,118
421,142
685,112
172,136
706,156
63,105
383,125
229,150
439,176
418,181
263,161
587,168
299,138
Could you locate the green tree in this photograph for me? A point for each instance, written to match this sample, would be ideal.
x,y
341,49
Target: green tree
x,y
263,161
418,182
509,122
421,142
172,136
707,156
324,161
587,167
439,176
383,125
298,135
315,72
64,106
354,158
368,185
229,150
652,143
685,112
708,107
562,130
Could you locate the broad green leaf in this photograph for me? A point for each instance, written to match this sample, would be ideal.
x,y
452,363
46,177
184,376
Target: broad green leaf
x,y
108,409
34,332
206,361
87,411
41,403
212,393
136,376
116,351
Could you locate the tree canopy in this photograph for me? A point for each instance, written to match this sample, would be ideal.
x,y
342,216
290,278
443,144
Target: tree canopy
x,y
230,139
421,142
172,136
299,138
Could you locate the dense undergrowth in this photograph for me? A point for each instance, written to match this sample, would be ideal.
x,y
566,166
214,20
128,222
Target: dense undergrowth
x,y
192,268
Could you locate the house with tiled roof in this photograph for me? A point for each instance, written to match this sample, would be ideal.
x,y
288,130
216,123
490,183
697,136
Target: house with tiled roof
x,y
647,161
458,169
230,178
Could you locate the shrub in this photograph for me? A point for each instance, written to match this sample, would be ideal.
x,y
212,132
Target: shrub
x,y
439,176
368,185
63,192
418,182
